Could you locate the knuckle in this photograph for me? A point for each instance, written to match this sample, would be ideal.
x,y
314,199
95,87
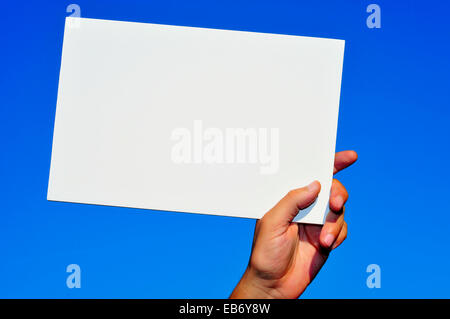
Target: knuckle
x,y
337,182
260,223
338,185
294,193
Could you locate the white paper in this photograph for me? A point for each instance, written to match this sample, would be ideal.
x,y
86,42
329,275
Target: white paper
x,y
193,120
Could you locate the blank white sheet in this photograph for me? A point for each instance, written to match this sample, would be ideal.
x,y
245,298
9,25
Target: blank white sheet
x,y
128,90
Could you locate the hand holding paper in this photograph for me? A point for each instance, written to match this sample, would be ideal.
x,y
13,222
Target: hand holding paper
x,y
286,256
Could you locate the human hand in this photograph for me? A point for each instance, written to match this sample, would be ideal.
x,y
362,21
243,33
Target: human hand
x,y
286,256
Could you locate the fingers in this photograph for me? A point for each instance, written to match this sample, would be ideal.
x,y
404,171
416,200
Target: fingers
x,y
341,237
331,229
335,230
334,223
338,196
343,160
287,208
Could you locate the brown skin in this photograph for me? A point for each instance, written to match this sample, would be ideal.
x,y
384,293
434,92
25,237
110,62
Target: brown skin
x,y
286,256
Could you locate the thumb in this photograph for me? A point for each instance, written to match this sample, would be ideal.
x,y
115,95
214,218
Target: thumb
x,y
287,208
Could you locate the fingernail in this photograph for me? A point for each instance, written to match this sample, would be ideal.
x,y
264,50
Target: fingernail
x,y
329,240
313,187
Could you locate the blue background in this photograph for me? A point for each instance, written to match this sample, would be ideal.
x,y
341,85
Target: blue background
x,y
394,112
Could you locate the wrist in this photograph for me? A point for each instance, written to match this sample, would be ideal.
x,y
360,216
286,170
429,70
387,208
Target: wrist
x,y
251,286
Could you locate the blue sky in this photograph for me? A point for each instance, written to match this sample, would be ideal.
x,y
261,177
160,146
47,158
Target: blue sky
x,y
394,112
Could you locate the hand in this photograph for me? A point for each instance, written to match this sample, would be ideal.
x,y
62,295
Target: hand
x,y
286,256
